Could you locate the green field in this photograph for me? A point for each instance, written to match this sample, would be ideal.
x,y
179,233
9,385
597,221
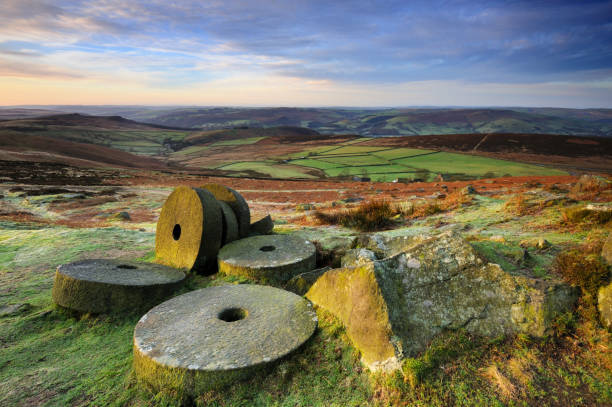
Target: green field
x,y
145,142
269,168
237,142
319,164
190,150
388,164
353,150
395,153
365,159
476,166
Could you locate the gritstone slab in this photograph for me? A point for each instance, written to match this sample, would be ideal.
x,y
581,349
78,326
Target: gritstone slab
x,y
213,336
268,258
100,286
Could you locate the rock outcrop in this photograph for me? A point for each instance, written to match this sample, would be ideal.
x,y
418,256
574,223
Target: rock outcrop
x,y
392,308
606,251
604,305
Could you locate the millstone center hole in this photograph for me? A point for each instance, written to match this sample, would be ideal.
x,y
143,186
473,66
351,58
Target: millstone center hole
x,y
126,266
176,232
267,248
233,314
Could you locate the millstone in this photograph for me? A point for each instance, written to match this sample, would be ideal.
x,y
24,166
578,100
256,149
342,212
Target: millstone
x,y
230,224
100,286
262,227
268,258
211,337
189,229
236,202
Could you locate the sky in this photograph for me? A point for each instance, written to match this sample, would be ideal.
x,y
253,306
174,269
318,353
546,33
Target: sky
x,y
306,53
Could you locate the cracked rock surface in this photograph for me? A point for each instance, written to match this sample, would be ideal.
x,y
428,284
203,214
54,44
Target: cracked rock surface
x,y
392,308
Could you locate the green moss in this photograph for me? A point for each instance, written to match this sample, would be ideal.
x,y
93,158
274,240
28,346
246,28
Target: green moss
x,y
183,384
353,295
508,256
97,297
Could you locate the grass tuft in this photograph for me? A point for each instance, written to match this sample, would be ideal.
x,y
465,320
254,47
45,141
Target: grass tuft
x,y
583,270
517,205
581,214
589,187
369,216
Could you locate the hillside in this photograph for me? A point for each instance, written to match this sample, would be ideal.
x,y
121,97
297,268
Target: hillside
x,y
15,146
367,122
296,152
114,132
387,122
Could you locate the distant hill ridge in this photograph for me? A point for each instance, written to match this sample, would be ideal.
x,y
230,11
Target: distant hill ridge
x,y
365,122
391,122
77,119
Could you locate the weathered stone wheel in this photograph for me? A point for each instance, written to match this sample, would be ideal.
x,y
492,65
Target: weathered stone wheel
x,y
268,258
103,286
236,202
189,229
263,226
211,337
231,230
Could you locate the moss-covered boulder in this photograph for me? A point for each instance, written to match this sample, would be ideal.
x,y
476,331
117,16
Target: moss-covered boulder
x,y
358,257
268,258
301,283
209,338
606,251
604,305
392,308
113,286
387,244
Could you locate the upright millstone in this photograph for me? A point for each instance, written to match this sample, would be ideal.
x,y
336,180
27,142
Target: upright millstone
x,y
211,337
230,224
103,286
189,229
268,258
236,202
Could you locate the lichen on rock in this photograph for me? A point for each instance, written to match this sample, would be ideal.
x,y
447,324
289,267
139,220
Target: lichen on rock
x,y
393,308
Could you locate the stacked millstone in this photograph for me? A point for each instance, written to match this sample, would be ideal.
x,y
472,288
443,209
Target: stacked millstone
x,y
268,258
196,222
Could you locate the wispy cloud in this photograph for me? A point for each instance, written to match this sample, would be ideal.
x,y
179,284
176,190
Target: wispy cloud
x,y
357,43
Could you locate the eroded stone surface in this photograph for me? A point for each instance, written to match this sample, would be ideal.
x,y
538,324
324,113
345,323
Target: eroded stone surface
x,y
268,258
301,283
189,229
112,285
392,308
263,226
185,343
231,230
606,251
604,305
235,201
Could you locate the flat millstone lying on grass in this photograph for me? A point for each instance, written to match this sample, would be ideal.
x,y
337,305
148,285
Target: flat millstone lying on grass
x,y
268,258
213,336
100,286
